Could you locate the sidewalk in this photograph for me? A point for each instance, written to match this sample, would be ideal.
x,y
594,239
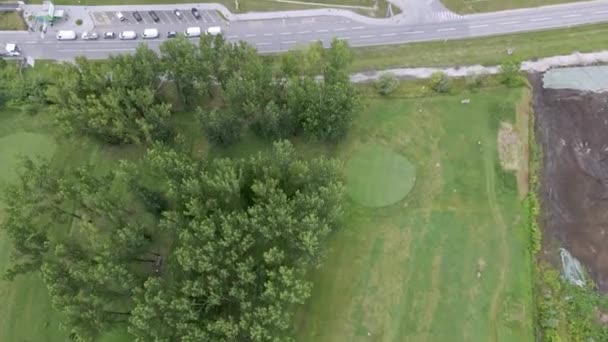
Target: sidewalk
x,y
540,65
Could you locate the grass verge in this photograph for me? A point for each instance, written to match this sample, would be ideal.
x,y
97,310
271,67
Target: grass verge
x,y
485,51
476,6
11,21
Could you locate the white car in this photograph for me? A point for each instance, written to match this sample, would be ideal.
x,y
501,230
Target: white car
x,y
127,35
120,16
150,33
89,36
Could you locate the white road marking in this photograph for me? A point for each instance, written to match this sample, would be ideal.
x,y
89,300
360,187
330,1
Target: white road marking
x,y
304,32
367,36
339,29
388,34
478,26
358,27
446,29
315,40
261,44
412,32
344,38
250,35
232,37
571,15
600,12
94,50
321,31
267,34
31,42
285,33
289,42
539,19
509,23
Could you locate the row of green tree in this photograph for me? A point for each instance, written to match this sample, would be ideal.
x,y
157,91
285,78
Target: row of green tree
x,y
174,248
231,87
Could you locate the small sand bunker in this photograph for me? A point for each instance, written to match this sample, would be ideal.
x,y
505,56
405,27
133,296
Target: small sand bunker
x,y
509,146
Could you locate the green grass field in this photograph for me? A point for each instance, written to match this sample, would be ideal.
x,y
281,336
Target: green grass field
x,y
485,51
476,6
11,21
408,272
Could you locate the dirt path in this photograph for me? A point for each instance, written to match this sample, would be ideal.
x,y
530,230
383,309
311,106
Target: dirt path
x,y
503,249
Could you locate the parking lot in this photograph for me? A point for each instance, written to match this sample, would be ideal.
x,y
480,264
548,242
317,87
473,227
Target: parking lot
x,y
165,17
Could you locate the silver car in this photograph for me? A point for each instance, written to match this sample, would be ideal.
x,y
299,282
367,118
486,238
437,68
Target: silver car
x,y
89,36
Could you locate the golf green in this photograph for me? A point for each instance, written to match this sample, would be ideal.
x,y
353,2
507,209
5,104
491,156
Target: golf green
x,y
376,176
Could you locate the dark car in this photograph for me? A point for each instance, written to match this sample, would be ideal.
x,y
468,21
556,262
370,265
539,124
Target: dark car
x,y
171,34
109,35
154,16
137,16
196,13
178,14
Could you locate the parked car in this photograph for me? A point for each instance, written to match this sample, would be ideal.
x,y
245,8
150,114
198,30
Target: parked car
x,y
120,16
127,35
89,36
154,16
196,13
193,32
150,33
137,16
171,34
214,30
66,35
178,14
109,35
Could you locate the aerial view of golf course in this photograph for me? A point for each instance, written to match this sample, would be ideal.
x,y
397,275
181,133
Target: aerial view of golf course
x,y
204,189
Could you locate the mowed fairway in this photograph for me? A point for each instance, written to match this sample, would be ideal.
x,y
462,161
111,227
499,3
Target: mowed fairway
x,y
447,263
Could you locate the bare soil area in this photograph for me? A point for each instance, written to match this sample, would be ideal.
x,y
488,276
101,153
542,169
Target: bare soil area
x,y
572,128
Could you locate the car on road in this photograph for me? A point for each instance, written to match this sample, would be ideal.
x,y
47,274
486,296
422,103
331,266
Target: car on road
x,y
137,16
127,35
120,16
178,14
150,33
213,30
196,13
171,34
89,36
193,32
109,35
66,35
154,16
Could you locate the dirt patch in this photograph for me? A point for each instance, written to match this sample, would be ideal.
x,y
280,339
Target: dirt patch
x,y
508,147
572,129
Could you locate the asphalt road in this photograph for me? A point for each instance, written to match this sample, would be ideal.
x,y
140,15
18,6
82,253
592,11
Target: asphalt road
x,y
277,35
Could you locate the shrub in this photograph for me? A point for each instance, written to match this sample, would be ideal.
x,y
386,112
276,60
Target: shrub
x,y
440,82
78,22
473,82
509,72
387,83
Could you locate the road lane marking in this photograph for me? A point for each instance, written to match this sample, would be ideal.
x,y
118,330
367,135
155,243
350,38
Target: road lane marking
x,y
412,32
95,50
250,35
446,29
600,12
478,26
322,31
344,38
571,15
539,19
267,34
358,27
232,37
304,32
509,23
289,42
261,44
31,42
367,36
339,29
388,34
285,33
